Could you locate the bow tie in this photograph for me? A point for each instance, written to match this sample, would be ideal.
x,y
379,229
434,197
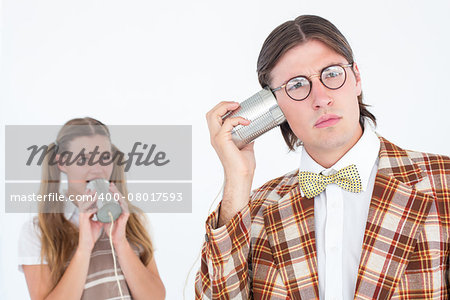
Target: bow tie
x,y
313,184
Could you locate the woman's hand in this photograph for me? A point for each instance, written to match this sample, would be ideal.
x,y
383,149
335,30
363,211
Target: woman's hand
x,y
89,229
119,236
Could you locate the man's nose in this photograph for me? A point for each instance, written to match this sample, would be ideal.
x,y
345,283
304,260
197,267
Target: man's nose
x,y
320,94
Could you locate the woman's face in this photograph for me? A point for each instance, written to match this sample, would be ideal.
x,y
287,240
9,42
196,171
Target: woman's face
x,y
87,167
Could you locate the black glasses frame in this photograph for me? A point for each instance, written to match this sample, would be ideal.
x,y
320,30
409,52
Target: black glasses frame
x,y
284,85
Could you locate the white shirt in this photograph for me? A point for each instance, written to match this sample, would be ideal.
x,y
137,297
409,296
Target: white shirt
x,y
29,250
340,218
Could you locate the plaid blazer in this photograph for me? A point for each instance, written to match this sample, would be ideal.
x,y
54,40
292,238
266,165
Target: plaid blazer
x,y
268,251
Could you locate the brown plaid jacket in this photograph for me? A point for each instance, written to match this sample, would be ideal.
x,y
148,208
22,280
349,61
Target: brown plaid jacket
x,y
267,250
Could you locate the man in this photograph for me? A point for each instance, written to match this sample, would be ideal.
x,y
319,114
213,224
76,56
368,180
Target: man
x,y
360,218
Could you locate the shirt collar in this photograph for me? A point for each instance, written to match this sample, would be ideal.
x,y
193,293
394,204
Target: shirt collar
x,y
363,154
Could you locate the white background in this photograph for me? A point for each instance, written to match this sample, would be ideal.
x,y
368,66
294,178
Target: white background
x,y
169,62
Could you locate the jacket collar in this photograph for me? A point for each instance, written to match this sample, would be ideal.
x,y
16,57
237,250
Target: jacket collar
x,y
395,162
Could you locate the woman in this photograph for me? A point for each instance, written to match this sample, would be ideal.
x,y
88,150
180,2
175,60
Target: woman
x,y
64,252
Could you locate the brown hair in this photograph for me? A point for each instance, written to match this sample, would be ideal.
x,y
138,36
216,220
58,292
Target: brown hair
x,y
59,237
293,33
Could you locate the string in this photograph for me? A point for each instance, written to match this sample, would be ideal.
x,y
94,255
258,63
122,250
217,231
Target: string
x,y
200,252
113,254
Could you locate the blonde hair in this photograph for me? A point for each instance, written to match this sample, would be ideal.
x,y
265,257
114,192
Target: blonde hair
x,y
59,237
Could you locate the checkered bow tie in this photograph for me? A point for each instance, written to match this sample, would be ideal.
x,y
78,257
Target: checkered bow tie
x,y
313,184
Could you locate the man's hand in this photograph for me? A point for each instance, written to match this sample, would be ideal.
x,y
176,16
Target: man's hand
x,y
239,165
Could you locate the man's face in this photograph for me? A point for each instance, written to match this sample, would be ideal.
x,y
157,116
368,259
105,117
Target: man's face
x,y
340,106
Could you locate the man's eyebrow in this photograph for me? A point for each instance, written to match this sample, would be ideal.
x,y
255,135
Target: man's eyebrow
x,y
317,71
334,63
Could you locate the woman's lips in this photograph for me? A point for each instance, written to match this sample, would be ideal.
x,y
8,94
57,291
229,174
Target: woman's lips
x,y
327,120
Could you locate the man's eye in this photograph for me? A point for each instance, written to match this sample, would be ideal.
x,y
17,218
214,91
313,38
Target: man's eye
x,y
296,85
333,74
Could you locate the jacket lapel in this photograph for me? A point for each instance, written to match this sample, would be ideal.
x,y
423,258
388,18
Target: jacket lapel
x,y
290,229
396,216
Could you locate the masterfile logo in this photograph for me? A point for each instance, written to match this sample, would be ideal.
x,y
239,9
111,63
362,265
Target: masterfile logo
x,y
156,161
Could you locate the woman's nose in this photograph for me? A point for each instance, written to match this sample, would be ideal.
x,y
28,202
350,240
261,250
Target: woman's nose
x,y
97,169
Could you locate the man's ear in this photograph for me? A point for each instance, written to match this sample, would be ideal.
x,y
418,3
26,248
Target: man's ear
x,y
358,78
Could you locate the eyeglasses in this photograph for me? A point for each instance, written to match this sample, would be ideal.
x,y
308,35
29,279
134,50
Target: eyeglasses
x,y
299,87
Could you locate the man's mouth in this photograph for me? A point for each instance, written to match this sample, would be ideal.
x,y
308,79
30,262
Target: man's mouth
x,y
327,120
